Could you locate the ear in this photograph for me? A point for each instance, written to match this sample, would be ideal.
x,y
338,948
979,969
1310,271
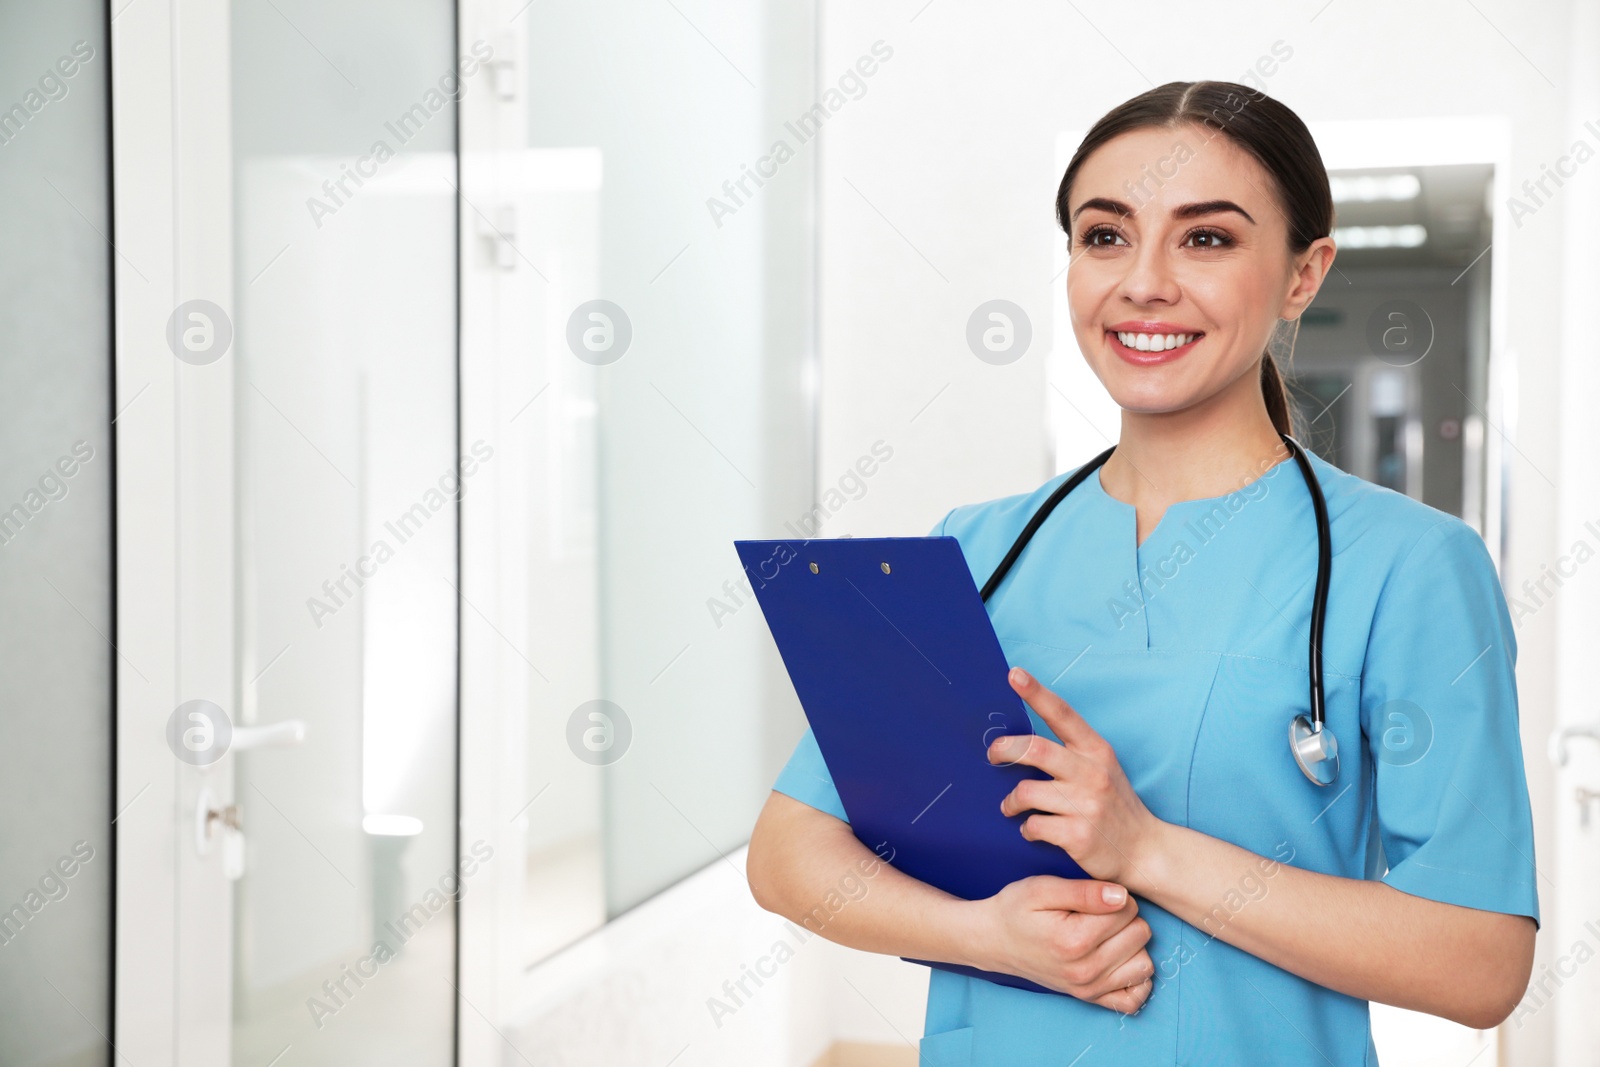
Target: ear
x,y
1311,269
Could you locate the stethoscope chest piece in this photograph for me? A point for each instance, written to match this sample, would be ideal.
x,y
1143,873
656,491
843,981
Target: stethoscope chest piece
x,y
1315,751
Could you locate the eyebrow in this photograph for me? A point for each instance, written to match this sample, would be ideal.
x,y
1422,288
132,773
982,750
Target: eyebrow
x,y
1182,211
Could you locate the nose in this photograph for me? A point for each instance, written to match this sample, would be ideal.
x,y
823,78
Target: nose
x,y
1150,277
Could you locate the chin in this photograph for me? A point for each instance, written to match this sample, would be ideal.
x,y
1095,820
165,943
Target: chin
x,y
1147,397
1151,409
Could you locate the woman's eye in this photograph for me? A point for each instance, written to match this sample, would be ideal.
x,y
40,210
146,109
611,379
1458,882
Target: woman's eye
x,y
1203,239
1213,238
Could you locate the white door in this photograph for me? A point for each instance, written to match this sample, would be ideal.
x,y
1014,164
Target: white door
x,y
288,475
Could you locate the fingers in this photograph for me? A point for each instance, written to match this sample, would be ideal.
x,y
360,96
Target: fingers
x,y
1089,947
1051,794
1086,933
1057,713
1127,1001
1085,895
1111,973
1030,750
1122,960
1132,973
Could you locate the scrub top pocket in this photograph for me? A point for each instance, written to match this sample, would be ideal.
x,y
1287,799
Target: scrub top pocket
x,y
952,1048
1149,704
1247,789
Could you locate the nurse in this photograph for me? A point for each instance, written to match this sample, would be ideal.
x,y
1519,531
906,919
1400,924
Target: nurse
x,y
1157,626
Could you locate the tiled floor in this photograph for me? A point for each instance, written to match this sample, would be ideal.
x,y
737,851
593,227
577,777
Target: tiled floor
x,y
856,1054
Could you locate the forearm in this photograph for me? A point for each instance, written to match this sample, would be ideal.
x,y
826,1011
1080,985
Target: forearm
x,y
1362,938
810,868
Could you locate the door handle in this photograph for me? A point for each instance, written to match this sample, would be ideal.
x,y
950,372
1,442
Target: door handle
x,y
210,817
286,734
1560,737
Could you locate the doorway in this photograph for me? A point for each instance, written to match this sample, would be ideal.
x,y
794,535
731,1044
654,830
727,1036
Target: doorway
x,y
287,489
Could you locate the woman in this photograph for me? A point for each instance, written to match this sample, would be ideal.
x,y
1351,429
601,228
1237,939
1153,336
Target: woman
x,y
1157,625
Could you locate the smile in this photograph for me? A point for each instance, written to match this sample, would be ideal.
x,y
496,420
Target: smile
x,y
1144,349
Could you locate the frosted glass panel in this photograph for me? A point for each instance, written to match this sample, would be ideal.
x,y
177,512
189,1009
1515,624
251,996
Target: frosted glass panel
x,y
345,265
674,342
56,660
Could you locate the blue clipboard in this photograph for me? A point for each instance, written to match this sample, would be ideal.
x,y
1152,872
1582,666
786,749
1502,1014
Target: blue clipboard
x,y
894,659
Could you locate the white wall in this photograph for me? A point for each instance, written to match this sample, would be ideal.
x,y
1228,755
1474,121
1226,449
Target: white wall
x,y
1577,617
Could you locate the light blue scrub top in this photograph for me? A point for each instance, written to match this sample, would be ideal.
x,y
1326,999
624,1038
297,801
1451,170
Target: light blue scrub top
x,y
1189,654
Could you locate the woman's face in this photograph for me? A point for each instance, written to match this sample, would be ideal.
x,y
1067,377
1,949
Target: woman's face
x,y
1173,233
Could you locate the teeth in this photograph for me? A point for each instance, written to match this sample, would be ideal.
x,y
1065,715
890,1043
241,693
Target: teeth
x,y
1155,342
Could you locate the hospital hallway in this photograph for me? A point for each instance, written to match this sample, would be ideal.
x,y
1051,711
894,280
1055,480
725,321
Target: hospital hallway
x,y
384,385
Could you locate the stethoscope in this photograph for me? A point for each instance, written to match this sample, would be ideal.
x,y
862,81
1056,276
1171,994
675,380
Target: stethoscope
x,y
1314,748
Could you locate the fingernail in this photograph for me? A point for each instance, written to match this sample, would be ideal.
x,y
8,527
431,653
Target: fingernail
x,y
1020,676
1113,894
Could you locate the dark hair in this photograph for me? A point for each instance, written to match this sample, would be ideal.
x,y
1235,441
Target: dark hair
x,y
1260,125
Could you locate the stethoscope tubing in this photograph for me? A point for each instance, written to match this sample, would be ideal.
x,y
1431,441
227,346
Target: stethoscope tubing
x,y
1319,601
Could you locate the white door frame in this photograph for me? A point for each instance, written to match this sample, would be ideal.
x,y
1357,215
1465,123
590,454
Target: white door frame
x,y
173,226
172,201
495,371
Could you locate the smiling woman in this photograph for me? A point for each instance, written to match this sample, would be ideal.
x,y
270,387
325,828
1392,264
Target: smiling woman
x,y
1225,254
1198,218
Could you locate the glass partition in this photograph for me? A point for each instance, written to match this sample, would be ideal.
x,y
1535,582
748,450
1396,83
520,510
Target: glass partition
x,y
56,656
674,247
345,340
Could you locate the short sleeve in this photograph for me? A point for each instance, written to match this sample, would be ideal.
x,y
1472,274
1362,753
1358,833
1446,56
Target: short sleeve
x,y
805,777
1440,723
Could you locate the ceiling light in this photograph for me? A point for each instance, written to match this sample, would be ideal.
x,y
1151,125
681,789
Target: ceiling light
x,y
1410,236
1363,188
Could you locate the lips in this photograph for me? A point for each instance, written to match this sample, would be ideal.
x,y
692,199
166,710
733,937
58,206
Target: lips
x,y
1144,358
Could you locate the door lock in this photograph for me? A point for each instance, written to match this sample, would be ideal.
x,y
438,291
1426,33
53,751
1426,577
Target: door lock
x,y
212,821
229,817
1584,796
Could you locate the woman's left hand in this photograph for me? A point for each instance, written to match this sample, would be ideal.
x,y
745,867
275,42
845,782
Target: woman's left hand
x,y
1086,807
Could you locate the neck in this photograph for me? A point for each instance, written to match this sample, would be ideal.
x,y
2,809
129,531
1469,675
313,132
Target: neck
x,y
1197,453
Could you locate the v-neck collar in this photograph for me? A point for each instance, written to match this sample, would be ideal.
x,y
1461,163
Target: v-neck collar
x,y
1162,526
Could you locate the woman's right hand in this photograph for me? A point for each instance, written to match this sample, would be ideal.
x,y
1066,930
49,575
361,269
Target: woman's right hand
x,y
1064,934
